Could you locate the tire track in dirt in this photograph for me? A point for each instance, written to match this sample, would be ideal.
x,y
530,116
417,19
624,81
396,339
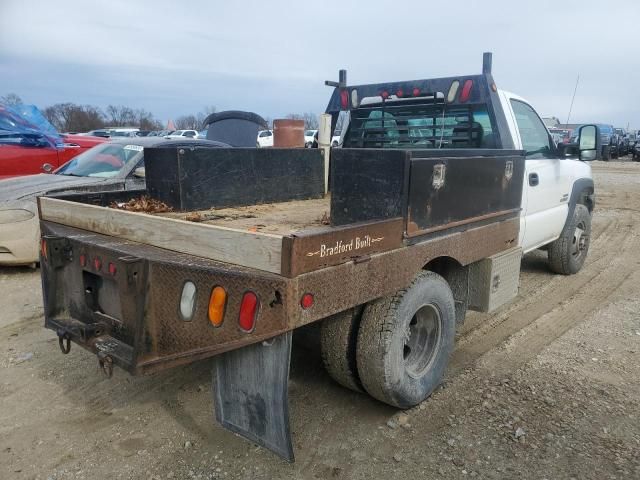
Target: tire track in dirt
x,y
531,292
597,277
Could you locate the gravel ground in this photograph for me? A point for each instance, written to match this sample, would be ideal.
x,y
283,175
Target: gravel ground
x,y
547,387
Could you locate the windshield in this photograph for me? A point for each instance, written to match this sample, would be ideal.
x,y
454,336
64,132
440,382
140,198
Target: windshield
x,y
105,160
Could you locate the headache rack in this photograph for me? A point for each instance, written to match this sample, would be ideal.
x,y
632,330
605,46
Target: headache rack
x,y
413,124
452,112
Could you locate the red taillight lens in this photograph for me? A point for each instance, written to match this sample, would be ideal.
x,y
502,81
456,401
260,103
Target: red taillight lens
x,y
97,263
399,93
344,99
112,268
248,311
306,301
83,260
384,94
466,90
416,91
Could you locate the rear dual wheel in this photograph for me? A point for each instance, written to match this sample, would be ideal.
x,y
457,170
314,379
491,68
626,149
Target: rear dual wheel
x,y
401,345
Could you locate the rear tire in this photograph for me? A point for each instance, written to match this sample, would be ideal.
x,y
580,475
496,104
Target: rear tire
x,y
338,337
568,253
606,153
405,341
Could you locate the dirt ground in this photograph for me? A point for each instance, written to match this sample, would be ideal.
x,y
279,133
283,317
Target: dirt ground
x,y
548,387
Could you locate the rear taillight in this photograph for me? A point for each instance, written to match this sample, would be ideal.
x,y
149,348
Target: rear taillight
x,y
217,303
188,301
466,90
97,263
344,99
306,301
112,268
83,260
248,311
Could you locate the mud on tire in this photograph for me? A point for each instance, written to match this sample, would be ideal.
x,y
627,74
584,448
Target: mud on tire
x,y
568,253
405,341
338,336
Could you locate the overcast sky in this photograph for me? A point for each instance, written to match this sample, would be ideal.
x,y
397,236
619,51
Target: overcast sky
x,y
272,57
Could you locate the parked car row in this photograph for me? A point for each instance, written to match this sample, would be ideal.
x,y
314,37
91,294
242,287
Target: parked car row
x,y
615,142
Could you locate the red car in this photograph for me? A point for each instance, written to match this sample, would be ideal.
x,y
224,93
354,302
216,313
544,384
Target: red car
x,y
29,144
28,158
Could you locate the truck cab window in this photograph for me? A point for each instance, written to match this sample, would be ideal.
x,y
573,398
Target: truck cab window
x,y
407,124
533,133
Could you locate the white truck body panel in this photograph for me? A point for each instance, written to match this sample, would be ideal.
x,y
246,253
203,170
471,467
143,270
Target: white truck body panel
x,y
545,206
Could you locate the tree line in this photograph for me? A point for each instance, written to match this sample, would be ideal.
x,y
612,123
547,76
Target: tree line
x,y
73,117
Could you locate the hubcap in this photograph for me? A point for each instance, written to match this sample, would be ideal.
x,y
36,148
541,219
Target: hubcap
x,y
422,340
580,241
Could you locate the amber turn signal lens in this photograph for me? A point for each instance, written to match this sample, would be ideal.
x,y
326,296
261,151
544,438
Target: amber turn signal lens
x,y
217,303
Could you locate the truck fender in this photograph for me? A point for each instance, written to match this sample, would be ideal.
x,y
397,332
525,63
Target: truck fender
x,y
582,192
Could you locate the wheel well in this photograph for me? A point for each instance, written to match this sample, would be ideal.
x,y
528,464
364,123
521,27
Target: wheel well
x,y
457,276
586,198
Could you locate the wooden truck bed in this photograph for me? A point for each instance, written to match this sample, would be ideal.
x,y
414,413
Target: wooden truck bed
x,y
283,218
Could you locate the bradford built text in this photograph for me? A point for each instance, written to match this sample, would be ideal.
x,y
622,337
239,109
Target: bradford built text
x,y
342,247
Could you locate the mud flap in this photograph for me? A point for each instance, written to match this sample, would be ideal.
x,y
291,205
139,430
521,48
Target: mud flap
x,y
250,389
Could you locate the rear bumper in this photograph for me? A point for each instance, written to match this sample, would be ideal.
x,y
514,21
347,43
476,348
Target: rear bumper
x,y
131,313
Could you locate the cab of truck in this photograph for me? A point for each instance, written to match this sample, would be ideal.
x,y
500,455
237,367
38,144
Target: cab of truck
x,y
471,112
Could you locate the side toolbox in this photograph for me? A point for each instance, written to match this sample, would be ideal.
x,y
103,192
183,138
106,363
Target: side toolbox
x,y
494,281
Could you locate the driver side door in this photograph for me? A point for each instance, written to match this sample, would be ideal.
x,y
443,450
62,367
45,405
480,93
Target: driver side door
x,y
19,159
547,182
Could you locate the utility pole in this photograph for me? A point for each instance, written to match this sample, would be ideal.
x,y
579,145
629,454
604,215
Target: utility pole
x,y
572,99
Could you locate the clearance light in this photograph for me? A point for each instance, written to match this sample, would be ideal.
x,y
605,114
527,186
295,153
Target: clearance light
x,y
466,90
399,93
384,94
453,90
97,263
43,248
306,301
344,99
416,91
112,269
354,98
248,311
188,301
217,303
83,260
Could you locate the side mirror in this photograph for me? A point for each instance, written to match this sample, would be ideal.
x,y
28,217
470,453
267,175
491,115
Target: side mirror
x,y
139,172
589,143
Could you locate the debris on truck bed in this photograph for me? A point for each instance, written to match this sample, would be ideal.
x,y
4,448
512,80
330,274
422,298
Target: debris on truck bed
x,y
144,204
280,218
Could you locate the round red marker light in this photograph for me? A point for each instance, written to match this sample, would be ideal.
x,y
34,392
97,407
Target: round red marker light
x,y
306,301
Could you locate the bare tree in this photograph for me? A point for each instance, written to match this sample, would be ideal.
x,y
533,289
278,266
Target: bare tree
x,y
120,116
310,119
146,121
187,122
11,99
69,117
202,115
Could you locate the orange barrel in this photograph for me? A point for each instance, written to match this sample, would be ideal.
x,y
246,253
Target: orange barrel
x,y
288,133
